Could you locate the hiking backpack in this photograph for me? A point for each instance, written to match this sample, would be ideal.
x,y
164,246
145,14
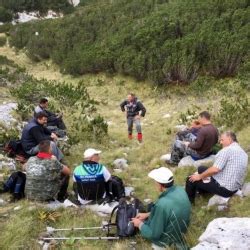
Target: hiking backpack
x,y
14,149
16,184
116,188
124,213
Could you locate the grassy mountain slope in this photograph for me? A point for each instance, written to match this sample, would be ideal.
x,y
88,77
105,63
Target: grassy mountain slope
x,y
160,40
158,135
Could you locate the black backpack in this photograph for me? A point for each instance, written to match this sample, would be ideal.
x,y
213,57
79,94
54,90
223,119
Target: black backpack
x,y
124,213
16,184
116,188
14,148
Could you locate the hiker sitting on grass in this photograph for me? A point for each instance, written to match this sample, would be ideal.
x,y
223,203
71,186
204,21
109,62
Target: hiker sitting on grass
x,y
53,119
169,217
201,148
91,178
46,178
227,174
35,132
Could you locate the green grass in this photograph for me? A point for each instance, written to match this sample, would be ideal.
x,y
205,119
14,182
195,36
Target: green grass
x,y
21,229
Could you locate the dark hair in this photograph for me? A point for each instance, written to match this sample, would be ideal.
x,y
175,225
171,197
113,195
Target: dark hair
x,y
44,146
43,100
132,94
232,135
40,115
205,114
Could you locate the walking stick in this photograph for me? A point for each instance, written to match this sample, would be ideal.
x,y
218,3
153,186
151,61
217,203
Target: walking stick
x,y
80,238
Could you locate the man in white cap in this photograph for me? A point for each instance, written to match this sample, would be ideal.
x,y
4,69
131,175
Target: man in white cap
x,y
90,177
169,216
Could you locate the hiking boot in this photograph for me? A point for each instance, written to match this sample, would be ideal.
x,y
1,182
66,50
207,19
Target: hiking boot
x,y
139,137
130,136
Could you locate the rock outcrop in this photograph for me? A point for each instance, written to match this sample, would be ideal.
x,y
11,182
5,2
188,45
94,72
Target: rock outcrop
x,y
226,234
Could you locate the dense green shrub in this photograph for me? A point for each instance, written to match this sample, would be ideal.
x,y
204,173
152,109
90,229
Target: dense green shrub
x,y
85,124
164,41
2,41
5,15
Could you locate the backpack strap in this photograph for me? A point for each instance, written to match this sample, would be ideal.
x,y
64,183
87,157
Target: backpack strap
x,y
110,219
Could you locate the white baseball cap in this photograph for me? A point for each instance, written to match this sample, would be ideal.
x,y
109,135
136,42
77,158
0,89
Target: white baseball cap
x,y
90,152
161,175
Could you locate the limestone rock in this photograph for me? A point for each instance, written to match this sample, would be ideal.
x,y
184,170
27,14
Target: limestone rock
x,y
206,162
165,157
7,163
189,162
5,113
217,200
120,163
226,234
246,189
186,162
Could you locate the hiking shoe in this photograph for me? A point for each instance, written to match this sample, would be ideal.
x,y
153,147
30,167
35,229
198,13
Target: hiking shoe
x,y
130,136
139,137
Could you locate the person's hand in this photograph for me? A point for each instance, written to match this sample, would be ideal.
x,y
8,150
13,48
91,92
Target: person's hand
x,y
136,222
137,117
142,216
186,143
53,136
195,177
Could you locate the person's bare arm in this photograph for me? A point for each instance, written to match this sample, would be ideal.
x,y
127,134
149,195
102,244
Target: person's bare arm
x,y
65,170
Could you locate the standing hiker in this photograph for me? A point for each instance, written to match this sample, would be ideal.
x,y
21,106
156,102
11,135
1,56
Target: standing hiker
x,y
134,110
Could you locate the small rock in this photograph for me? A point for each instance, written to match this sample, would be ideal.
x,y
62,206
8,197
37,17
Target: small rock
x,y
120,163
246,189
117,170
147,200
2,202
166,116
165,157
17,208
217,200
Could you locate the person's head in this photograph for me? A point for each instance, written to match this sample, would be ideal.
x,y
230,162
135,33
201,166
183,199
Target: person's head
x,y
44,102
204,118
227,138
131,97
44,146
41,118
91,154
164,178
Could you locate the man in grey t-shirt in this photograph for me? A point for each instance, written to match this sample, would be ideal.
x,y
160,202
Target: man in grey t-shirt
x,y
226,175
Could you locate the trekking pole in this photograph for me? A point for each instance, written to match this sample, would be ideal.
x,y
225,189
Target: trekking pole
x,y
80,238
51,229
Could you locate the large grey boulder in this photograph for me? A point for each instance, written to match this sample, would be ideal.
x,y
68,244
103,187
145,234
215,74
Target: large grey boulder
x,y
189,162
226,234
